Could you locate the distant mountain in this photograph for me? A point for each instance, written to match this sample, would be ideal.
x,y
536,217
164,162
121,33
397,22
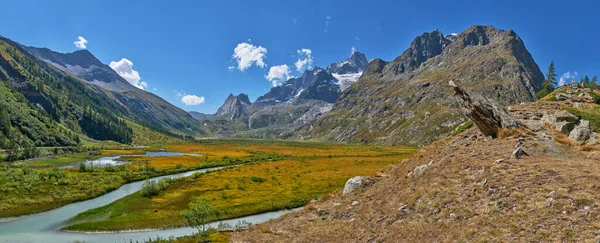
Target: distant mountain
x,y
290,89
323,87
356,63
141,106
285,108
83,64
406,101
234,106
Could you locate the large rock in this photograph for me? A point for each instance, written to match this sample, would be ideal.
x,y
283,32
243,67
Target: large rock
x,y
486,114
582,133
356,182
562,96
562,120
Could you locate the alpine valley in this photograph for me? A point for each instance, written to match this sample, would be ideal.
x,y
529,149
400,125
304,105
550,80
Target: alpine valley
x,y
460,137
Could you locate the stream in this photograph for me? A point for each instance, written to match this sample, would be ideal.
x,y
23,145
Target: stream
x,y
44,227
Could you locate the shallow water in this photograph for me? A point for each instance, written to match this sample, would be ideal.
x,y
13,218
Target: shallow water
x,y
115,160
43,227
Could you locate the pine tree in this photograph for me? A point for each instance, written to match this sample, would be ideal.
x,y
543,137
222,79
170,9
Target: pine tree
x,y
594,82
551,75
585,81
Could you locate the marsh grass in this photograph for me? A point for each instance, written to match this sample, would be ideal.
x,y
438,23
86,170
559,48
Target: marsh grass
x,y
278,176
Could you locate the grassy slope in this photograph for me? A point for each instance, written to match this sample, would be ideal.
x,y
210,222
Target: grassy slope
x,y
464,195
297,173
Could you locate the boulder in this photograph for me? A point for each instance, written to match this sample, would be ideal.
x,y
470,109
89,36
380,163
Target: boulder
x,y
356,182
486,114
581,133
565,116
562,96
564,127
586,97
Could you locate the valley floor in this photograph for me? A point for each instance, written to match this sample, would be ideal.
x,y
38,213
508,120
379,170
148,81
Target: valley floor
x,y
288,175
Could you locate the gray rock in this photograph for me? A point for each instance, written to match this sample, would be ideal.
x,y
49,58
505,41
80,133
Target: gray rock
x,y
562,96
355,182
564,127
565,116
486,114
518,153
419,170
581,133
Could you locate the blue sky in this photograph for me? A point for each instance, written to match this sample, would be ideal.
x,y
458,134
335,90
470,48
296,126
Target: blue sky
x,y
186,47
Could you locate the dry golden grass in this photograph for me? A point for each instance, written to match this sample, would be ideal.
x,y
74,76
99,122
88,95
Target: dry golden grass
x,y
510,132
464,195
166,161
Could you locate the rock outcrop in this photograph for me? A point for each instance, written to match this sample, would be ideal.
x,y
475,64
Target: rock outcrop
x,y
487,115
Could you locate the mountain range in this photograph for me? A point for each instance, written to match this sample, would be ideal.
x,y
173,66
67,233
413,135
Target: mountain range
x,y
402,101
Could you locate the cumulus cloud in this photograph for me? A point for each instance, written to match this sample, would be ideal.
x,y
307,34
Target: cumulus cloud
x,y
124,68
305,60
247,54
277,74
80,42
192,100
566,78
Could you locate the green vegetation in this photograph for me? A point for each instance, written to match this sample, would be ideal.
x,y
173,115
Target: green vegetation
x,y
549,83
153,188
199,212
29,189
462,127
590,114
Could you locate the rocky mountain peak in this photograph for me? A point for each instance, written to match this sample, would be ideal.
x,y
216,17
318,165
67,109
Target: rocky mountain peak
x,y
234,106
356,63
323,87
421,49
85,65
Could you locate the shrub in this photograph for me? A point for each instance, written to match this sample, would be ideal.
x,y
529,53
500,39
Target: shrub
x,y
257,179
153,188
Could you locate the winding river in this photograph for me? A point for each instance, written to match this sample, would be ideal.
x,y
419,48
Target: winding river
x,y
44,227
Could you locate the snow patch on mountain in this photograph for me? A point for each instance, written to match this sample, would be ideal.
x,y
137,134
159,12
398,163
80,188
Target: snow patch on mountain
x,y
345,80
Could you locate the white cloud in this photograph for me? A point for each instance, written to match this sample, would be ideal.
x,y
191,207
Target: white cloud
x,y
192,99
278,74
305,62
327,18
124,68
247,54
231,68
353,50
566,78
80,42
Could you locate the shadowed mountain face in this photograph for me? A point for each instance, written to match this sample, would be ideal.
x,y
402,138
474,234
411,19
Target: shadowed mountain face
x,y
406,100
